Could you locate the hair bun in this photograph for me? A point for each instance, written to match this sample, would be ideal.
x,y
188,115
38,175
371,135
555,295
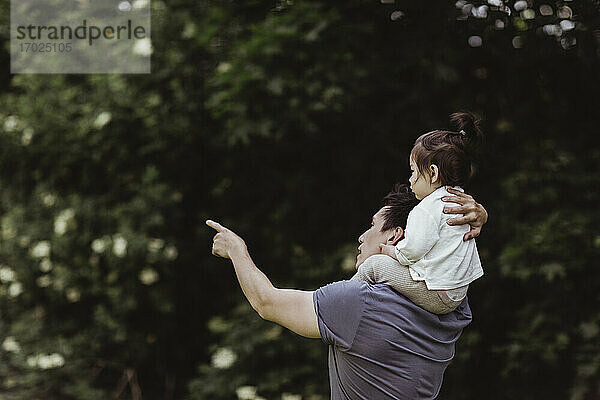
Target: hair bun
x,y
468,125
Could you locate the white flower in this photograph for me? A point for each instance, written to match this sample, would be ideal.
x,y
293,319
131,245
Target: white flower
x,y
119,246
11,123
46,265
189,30
154,245
528,13
223,358
60,227
15,289
7,274
11,345
46,361
289,396
57,360
139,4
273,333
520,5
73,295
41,249
102,119
143,47
475,41
148,276
567,25
24,241
124,6
32,361
480,12
44,281
171,252
349,263
546,10
246,392
100,245
551,29
63,221
564,12
27,136
48,199
223,67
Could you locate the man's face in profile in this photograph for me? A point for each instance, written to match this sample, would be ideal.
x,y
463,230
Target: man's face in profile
x,y
372,238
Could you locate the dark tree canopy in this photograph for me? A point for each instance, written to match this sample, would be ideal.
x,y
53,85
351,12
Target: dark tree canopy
x,y
288,122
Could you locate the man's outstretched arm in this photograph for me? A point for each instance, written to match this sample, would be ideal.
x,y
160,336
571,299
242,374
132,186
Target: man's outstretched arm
x,y
289,308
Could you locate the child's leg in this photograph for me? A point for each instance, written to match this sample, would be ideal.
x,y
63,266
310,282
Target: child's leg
x,y
449,304
384,269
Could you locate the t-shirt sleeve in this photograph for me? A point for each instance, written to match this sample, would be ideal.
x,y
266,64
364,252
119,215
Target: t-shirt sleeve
x,y
339,307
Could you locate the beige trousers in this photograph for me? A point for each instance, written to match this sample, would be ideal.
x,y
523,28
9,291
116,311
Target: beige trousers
x,y
380,268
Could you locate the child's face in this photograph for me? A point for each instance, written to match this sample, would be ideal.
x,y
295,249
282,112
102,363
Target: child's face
x,y
419,183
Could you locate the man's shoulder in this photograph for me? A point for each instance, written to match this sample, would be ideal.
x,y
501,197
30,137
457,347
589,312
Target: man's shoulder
x,y
345,288
351,291
339,307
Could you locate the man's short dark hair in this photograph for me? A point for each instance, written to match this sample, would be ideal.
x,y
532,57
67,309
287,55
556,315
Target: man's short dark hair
x,y
398,203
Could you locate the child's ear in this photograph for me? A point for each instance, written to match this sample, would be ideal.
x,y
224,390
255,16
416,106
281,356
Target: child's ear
x,y
398,235
434,173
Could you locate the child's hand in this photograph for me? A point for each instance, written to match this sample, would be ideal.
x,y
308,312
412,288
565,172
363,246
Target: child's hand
x,y
388,250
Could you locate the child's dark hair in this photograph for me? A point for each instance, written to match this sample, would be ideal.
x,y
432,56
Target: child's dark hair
x,y
452,151
398,203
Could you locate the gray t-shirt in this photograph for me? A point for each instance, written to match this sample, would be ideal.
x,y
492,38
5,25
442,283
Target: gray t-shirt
x,y
382,345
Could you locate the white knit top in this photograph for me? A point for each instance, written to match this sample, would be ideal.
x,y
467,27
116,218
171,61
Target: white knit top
x,y
435,251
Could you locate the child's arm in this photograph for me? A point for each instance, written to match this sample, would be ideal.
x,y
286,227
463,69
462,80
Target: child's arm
x,y
420,235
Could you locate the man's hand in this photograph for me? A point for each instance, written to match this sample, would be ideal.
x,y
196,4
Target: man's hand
x,y
225,241
388,250
474,213
292,309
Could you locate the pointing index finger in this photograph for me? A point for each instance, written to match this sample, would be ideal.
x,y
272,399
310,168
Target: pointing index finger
x,y
215,225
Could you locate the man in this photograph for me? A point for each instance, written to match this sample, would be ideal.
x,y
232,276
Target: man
x,y
381,345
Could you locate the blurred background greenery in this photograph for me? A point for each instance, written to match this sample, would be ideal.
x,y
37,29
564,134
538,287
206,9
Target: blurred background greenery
x,y
288,122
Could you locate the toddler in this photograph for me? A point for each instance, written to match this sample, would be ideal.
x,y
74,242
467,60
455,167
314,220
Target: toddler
x,y
437,265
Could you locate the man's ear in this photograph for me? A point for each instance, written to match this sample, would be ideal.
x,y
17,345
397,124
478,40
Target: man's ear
x,y
434,173
398,235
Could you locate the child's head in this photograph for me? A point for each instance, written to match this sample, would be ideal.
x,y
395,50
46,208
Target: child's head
x,y
445,158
